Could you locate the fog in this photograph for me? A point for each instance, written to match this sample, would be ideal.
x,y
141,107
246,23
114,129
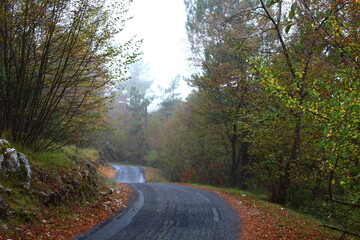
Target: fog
x,y
161,25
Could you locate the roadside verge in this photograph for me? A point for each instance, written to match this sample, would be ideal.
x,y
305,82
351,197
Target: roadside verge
x,y
263,220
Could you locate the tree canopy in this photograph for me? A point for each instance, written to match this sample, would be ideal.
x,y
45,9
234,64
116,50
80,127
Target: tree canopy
x,y
57,63
276,106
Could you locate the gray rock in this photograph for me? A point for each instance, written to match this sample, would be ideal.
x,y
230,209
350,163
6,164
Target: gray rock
x,y
4,142
11,162
4,209
24,161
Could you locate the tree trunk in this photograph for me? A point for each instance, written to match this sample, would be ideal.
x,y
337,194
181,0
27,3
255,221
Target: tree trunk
x,y
245,162
234,163
234,158
284,182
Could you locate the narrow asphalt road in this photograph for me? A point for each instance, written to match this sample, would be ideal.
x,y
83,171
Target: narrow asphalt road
x,y
162,211
128,174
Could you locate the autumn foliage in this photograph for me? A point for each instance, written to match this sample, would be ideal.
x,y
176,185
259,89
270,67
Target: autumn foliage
x,y
57,64
275,107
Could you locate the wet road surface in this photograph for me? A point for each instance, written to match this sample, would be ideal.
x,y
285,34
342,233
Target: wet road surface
x,y
161,211
128,174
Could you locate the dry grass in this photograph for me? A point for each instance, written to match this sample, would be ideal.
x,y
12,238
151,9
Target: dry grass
x,y
107,171
154,175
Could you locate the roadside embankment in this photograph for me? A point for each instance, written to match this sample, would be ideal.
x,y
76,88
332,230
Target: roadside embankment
x,y
68,194
107,171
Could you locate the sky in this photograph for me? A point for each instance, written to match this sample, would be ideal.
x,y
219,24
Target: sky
x,y
161,25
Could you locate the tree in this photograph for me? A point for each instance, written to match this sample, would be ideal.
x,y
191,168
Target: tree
x,y
185,146
138,106
55,59
138,77
127,140
226,82
285,72
317,45
171,99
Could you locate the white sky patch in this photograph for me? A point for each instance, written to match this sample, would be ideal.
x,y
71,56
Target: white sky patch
x,y
161,25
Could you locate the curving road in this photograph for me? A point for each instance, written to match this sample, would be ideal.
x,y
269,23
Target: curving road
x,y
128,174
162,211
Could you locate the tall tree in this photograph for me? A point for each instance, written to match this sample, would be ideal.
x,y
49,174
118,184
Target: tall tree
x,y
138,106
171,98
55,59
127,140
226,82
318,43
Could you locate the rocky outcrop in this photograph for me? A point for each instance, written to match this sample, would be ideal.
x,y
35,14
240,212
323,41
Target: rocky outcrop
x,y
25,162
12,162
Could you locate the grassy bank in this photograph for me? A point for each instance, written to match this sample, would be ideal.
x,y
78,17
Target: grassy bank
x,y
66,195
154,175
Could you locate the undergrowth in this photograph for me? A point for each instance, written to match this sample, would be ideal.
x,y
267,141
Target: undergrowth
x,y
67,175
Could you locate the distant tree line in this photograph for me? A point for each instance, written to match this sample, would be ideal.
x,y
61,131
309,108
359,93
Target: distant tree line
x,y
133,133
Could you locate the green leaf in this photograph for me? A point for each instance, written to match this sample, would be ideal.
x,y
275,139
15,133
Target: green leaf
x,y
288,27
292,11
291,14
270,3
293,7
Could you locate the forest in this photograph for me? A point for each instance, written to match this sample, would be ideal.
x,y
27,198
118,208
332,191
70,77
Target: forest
x,y
274,109
275,106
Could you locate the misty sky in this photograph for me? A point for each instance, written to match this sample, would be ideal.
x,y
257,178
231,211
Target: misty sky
x,y
161,25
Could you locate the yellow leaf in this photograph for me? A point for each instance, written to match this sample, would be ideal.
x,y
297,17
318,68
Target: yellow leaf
x,y
333,181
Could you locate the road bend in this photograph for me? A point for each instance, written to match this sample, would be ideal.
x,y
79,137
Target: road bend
x,y
162,211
